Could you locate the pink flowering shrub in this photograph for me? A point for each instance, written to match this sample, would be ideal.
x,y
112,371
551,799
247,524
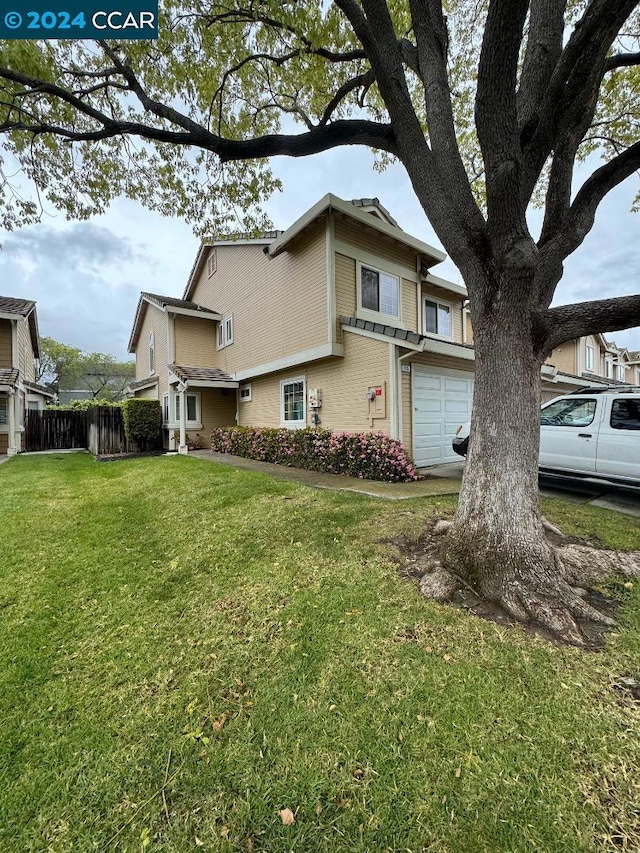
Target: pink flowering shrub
x,y
370,456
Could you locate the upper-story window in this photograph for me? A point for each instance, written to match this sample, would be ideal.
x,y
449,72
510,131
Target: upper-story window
x,y
379,292
608,368
590,357
437,318
212,263
621,372
152,352
225,332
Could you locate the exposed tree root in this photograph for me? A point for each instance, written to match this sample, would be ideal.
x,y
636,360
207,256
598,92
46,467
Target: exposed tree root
x,y
553,602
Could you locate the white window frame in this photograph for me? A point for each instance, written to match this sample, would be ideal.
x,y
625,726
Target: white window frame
x,y
152,353
369,312
247,396
174,410
621,372
165,409
212,263
608,368
225,332
438,303
301,423
590,357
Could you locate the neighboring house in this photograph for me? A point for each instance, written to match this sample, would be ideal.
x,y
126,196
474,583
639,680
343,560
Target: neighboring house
x,y
337,321
19,347
591,360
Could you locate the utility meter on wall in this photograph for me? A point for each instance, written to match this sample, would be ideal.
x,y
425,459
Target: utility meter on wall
x,y
315,398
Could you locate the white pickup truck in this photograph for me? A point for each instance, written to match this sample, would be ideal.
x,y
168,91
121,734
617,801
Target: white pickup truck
x,y
594,433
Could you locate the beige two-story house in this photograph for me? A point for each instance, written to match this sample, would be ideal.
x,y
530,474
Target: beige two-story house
x,y
337,322
590,360
19,348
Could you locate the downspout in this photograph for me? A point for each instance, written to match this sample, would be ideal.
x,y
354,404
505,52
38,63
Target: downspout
x,y
12,447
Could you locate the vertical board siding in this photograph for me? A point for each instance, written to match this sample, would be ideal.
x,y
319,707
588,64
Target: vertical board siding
x,y
195,341
279,305
4,443
346,293
6,361
409,305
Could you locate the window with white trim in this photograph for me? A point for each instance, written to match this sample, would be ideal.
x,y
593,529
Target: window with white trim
x,y
245,393
4,409
292,403
608,368
621,372
379,292
225,332
172,416
212,263
437,318
590,357
152,352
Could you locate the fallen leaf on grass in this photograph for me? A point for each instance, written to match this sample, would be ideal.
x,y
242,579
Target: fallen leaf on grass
x,y
287,817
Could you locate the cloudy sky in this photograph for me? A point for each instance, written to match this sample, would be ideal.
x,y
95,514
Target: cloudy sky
x,y
86,276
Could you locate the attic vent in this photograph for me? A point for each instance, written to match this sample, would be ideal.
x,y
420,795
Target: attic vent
x,y
212,262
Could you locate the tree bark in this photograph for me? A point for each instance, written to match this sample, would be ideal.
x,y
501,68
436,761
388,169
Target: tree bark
x,y
497,544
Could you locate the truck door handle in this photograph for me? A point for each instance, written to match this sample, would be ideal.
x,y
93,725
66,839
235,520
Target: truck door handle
x,y
584,435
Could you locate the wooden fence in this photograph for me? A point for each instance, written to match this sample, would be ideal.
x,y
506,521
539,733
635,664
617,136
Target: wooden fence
x,y
99,429
105,431
54,430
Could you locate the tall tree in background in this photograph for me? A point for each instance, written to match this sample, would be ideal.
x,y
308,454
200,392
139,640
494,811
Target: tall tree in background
x,y
57,362
65,368
489,106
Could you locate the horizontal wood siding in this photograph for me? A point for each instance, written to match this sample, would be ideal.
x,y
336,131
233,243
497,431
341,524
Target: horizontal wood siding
x,y
156,321
25,352
346,294
195,341
343,383
279,305
436,360
5,345
217,408
374,242
564,357
4,443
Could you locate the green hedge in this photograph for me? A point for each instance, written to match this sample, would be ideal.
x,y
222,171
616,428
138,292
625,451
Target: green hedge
x,y
371,455
142,422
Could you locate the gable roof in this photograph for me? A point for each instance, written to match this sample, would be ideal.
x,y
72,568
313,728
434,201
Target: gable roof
x,y
356,210
11,307
367,211
170,305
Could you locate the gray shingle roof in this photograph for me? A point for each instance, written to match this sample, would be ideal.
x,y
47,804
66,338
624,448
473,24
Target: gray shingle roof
x,y
208,374
9,305
140,383
382,329
162,301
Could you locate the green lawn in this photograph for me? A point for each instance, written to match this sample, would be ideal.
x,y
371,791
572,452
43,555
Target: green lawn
x,y
187,649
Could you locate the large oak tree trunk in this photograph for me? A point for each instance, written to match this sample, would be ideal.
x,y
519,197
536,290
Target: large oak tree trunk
x,y
497,544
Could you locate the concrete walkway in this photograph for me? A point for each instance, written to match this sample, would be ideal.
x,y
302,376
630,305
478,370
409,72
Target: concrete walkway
x,y
437,485
438,480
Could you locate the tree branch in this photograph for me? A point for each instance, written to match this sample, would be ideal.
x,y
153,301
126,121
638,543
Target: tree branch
x,y
568,322
622,60
497,120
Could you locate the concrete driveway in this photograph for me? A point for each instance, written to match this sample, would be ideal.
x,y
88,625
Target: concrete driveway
x,y
595,492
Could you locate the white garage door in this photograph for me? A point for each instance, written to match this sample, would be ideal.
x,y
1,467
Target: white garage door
x,y
441,402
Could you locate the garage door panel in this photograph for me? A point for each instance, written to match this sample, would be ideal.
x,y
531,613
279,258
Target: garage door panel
x,y
442,400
